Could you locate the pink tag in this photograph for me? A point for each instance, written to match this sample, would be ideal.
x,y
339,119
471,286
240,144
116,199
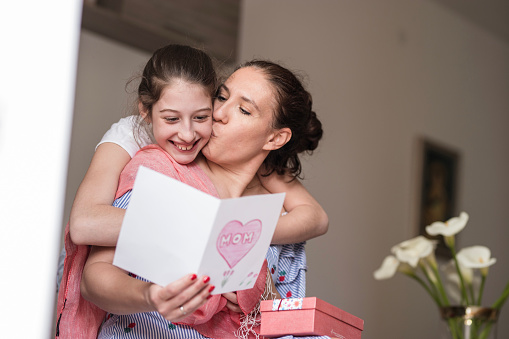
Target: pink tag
x,y
236,240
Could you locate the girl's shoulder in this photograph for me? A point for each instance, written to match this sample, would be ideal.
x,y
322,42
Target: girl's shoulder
x,y
152,157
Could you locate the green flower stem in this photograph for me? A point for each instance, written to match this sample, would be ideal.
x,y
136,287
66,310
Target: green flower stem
x,y
486,331
440,286
472,293
500,301
455,328
426,287
481,290
431,283
463,289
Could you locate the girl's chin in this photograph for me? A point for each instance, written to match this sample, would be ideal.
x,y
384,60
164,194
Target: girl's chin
x,y
184,160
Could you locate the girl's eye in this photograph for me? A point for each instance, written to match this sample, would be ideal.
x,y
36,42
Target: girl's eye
x,y
220,98
202,118
171,119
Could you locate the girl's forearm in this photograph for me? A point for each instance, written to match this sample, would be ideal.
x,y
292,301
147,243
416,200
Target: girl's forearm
x,y
306,219
93,220
302,223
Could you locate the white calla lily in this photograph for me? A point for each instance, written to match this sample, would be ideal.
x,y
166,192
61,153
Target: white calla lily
x,y
413,250
388,268
465,274
450,227
452,279
475,257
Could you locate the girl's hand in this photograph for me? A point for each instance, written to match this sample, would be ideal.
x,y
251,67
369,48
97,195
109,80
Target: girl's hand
x,y
180,298
232,303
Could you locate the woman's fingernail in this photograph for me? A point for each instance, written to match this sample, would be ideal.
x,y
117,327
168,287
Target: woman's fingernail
x,y
206,279
211,288
210,296
193,277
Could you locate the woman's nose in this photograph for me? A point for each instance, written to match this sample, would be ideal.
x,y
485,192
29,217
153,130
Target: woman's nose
x,y
220,113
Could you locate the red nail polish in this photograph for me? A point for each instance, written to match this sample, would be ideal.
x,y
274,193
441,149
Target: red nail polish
x,y
206,279
211,288
210,296
193,277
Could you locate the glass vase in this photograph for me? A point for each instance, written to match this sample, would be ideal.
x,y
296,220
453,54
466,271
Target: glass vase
x,y
468,322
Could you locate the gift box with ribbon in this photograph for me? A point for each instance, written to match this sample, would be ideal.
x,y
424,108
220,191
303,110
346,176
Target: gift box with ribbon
x,y
307,316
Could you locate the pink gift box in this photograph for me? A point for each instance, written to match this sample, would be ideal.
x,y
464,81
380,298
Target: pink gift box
x,y
307,316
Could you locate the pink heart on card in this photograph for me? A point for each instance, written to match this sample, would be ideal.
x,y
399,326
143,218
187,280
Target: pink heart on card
x,y
236,240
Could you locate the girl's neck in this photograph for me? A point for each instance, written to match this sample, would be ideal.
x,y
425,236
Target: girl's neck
x,y
231,181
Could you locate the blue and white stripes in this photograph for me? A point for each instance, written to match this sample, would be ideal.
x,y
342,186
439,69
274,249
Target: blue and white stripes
x,y
287,264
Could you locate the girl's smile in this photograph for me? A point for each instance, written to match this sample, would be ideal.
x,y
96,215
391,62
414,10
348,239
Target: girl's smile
x,y
182,120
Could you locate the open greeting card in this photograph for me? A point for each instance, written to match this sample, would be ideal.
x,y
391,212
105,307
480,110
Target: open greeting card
x,y
171,229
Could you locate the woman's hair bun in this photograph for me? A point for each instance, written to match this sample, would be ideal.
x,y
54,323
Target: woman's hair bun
x,y
312,134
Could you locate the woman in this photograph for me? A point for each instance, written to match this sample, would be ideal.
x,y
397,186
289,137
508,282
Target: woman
x,y
263,115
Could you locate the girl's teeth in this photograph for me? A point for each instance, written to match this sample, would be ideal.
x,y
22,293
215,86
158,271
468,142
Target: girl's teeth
x,y
184,148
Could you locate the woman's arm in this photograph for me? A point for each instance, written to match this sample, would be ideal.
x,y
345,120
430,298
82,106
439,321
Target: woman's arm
x,y
113,290
93,220
305,220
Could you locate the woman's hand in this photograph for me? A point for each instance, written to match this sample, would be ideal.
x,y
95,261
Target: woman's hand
x,y
113,290
232,303
180,298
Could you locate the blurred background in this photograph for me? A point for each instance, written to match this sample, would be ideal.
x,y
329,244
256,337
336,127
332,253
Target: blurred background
x,y
387,77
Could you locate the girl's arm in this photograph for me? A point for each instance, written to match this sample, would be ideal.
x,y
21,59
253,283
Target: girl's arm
x,y
113,290
92,209
305,220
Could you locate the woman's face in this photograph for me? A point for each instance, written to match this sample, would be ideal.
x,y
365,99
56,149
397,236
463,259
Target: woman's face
x,y
243,115
182,120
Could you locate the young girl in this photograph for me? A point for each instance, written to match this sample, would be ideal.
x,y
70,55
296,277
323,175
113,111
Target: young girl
x,y
181,121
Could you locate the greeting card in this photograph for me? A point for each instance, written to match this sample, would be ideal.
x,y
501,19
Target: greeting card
x,y
171,229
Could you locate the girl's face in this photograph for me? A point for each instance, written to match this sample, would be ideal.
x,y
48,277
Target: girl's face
x,y
243,114
182,120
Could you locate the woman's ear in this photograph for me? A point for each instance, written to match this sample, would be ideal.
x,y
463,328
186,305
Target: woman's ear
x,y
143,112
278,139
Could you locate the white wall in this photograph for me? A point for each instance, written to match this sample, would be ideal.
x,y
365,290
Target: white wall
x,y
38,68
104,68
383,74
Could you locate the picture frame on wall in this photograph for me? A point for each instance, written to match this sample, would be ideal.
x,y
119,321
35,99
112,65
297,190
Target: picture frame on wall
x,y
439,187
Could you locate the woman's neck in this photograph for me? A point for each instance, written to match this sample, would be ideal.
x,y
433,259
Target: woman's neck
x,y
231,181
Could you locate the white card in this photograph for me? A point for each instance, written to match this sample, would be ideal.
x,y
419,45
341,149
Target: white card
x,y
171,229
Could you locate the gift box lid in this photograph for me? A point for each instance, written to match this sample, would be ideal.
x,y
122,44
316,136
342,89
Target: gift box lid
x,y
309,303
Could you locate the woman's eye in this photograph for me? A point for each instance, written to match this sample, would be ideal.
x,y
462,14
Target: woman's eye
x,y
171,119
220,98
243,111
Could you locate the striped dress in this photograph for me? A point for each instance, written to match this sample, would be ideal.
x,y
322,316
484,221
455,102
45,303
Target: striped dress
x,y
287,264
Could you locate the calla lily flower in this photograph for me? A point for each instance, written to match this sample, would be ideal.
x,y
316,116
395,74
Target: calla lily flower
x,y
452,280
390,266
413,250
450,227
452,273
475,257
463,284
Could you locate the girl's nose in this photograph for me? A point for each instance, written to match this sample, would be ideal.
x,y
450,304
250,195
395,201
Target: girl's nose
x,y
187,134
